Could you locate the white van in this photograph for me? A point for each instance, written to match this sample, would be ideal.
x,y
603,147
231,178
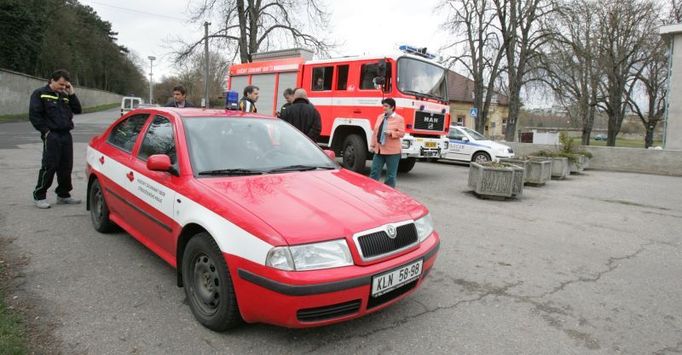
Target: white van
x,y
129,103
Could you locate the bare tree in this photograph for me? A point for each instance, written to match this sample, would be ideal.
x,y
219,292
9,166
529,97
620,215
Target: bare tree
x,y
524,34
481,50
676,12
623,31
570,62
247,26
651,81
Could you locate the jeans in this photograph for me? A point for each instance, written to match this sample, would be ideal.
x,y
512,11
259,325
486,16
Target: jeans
x,y
391,162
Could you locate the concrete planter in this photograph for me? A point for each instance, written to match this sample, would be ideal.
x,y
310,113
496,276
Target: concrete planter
x,y
537,170
560,169
580,163
493,180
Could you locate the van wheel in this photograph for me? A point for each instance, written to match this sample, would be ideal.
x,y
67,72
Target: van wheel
x,y
208,284
405,165
481,157
354,153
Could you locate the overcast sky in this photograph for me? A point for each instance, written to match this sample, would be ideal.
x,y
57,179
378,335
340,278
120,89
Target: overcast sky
x,y
359,26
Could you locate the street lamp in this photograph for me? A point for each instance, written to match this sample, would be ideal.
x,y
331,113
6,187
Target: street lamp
x,y
151,77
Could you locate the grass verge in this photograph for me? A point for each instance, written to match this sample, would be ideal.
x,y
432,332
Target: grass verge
x,y
24,116
12,332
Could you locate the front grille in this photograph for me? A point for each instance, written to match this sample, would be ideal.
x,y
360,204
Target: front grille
x,y
328,312
377,301
378,243
429,121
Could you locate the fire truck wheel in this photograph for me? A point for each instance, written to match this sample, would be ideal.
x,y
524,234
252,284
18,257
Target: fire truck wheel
x,y
354,153
406,164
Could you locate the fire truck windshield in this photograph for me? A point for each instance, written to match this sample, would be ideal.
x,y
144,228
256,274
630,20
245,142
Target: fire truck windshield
x,y
421,78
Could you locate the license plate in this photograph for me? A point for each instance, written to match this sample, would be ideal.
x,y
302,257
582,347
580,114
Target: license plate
x,y
431,144
430,153
393,279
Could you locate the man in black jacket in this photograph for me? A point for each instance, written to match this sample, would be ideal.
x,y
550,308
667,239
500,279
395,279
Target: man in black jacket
x,y
303,115
51,112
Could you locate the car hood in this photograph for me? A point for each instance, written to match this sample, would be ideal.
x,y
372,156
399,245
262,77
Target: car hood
x,y
312,206
491,144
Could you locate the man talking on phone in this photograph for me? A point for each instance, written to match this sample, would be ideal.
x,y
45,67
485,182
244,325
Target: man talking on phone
x,y
51,112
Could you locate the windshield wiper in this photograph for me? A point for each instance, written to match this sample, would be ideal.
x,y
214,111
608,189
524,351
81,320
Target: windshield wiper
x,y
421,94
232,172
299,167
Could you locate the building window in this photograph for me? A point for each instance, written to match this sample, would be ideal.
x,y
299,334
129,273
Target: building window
x,y
460,120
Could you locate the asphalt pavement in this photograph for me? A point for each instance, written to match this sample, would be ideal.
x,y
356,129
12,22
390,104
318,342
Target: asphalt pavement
x,y
589,265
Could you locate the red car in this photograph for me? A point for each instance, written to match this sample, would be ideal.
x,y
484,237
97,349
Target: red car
x,y
260,223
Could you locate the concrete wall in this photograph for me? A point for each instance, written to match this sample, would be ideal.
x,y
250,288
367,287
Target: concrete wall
x,y
16,89
636,160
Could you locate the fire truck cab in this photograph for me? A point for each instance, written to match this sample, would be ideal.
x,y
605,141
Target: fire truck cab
x,y
348,92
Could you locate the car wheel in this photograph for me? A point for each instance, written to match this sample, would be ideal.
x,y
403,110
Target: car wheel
x,y
208,284
405,165
354,153
481,157
99,211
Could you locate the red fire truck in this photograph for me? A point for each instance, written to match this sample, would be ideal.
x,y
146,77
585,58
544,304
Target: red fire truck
x,y
348,92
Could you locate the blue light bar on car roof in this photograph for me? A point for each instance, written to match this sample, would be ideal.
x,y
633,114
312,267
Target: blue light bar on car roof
x,y
232,100
417,51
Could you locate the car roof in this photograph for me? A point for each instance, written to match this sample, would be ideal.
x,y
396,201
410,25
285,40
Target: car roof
x,y
191,112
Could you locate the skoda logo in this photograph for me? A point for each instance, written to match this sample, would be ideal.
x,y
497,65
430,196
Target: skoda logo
x,y
390,230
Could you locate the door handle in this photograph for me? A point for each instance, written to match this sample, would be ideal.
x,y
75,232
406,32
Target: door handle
x,y
130,176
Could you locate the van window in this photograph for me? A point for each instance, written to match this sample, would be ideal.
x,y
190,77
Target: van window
x,y
342,77
369,71
322,78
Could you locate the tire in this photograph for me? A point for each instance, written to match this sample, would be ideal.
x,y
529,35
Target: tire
x,y
480,157
354,153
405,165
99,211
208,284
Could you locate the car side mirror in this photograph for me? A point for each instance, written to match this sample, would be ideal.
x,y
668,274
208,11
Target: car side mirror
x,y
330,153
465,139
159,162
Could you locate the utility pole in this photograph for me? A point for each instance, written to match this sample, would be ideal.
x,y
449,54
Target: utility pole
x,y
206,24
151,77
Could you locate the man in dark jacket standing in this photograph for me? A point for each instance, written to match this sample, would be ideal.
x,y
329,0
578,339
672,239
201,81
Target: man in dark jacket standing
x,y
51,112
303,115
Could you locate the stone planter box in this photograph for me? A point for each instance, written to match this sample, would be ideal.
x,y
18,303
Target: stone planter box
x,y
537,171
495,181
580,165
560,168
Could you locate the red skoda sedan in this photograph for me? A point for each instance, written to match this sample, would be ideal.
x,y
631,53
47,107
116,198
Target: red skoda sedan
x,y
260,223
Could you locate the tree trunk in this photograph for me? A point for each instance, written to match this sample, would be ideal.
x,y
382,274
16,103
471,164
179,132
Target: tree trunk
x,y
649,137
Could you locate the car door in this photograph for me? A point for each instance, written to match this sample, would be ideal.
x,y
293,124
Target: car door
x,y
458,148
156,190
114,159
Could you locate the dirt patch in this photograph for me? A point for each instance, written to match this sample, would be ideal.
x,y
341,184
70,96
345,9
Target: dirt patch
x,y
38,323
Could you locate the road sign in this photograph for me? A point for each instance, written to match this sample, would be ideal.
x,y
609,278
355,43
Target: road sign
x,y
473,112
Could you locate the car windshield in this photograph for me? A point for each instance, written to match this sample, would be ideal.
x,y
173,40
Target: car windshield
x,y
417,77
475,135
246,146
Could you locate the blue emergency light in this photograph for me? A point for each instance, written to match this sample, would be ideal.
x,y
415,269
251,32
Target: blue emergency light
x,y
232,100
417,51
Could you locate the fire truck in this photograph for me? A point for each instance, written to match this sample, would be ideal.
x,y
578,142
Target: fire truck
x,y
348,92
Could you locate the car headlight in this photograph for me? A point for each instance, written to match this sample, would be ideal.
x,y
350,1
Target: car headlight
x,y
424,227
446,144
314,256
407,144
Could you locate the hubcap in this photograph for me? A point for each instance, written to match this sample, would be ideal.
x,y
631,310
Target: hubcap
x,y
481,158
98,202
205,284
349,156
